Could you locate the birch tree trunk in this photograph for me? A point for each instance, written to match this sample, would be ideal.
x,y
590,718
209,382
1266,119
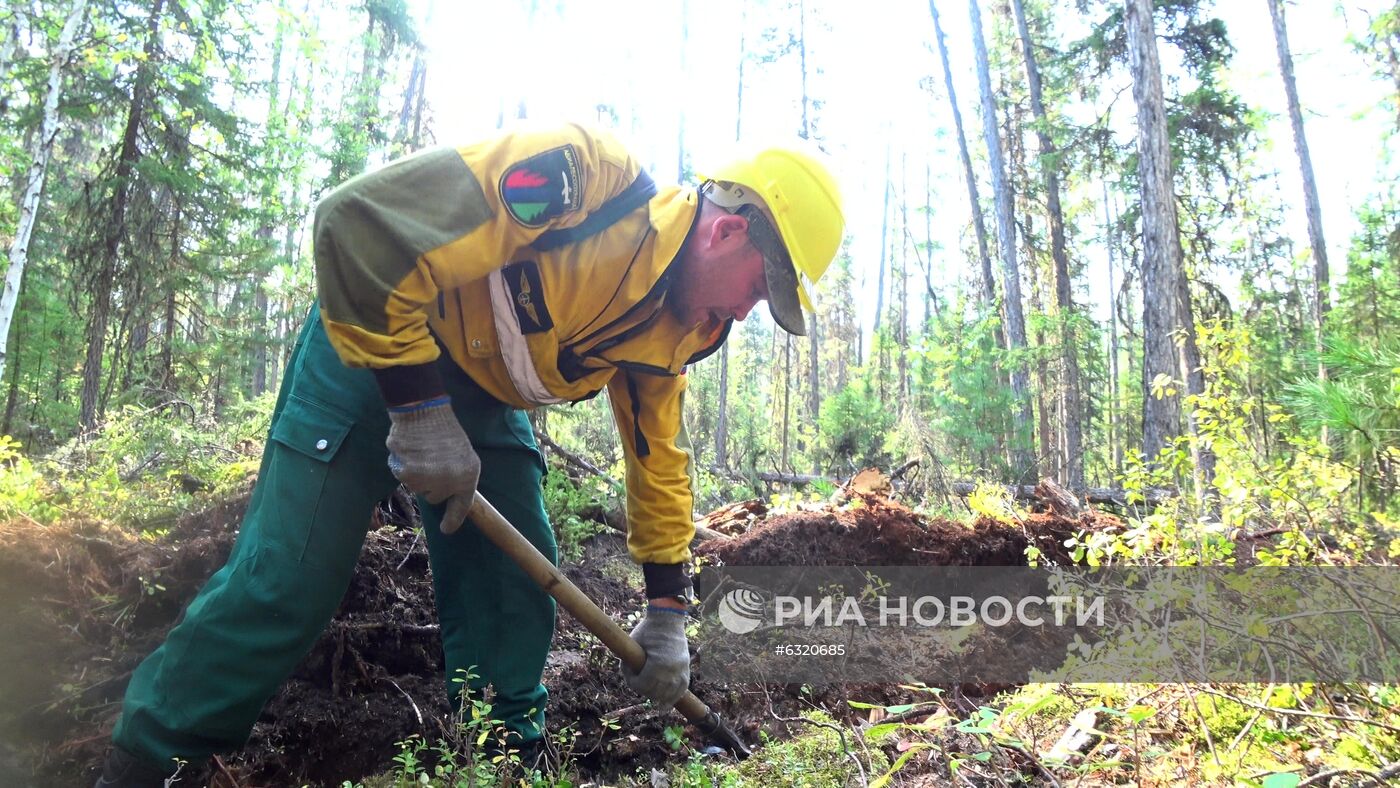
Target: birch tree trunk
x,y
34,179
1049,167
1322,297
1021,455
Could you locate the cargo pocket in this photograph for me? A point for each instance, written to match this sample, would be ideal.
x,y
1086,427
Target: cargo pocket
x,y
309,494
311,429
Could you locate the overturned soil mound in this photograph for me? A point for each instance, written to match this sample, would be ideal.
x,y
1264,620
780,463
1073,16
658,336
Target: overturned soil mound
x,y
85,602
869,530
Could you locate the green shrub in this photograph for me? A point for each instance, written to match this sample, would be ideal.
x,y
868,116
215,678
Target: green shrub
x,y
566,502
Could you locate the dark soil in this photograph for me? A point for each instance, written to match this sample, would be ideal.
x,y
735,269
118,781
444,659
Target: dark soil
x,y
84,602
869,530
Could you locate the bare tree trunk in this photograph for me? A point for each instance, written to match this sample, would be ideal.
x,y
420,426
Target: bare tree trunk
x,y
743,58
722,421
802,65
411,114
11,399
114,229
167,348
121,346
884,248
1049,166
1022,458
1161,415
1044,380
989,292
814,399
8,44
258,385
902,329
1189,361
931,308
787,396
38,169
1114,417
1322,296
276,125
680,119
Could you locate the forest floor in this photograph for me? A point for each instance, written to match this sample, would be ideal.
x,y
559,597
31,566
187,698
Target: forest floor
x,y
86,601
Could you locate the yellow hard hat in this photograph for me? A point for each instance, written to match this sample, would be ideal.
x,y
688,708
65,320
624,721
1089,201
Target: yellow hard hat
x,y
800,197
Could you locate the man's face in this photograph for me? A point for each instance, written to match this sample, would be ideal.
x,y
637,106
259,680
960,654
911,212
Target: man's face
x,y
721,277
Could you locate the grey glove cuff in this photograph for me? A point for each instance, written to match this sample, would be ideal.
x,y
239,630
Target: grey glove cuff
x,y
428,410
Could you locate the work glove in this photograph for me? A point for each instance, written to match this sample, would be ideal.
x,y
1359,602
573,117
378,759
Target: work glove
x,y
430,453
666,675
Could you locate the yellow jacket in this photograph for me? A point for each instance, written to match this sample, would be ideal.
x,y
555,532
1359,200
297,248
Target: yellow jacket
x,y
441,240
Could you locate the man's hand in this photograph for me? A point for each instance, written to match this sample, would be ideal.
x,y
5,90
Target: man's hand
x,y
666,675
430,453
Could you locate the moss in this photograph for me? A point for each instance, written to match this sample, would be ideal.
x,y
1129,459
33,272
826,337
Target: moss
x,y
812,758
1223,718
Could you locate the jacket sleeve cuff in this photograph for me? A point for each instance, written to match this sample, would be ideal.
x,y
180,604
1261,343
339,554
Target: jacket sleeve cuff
x,y
411,383
663,580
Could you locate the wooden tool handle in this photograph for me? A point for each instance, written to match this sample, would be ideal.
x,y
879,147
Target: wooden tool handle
x,y
502,534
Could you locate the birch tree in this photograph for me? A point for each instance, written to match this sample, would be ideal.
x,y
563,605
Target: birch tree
x,y
38,168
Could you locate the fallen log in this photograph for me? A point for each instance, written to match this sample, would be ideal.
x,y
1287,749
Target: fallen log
x,y
576,461
1115,496
772,478
1059,500
617,521
1102,495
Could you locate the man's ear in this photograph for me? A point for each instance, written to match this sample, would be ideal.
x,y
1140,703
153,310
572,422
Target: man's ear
x,y
728,230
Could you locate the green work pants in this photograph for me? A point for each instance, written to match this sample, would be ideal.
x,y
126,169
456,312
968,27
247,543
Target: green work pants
x,y
323,469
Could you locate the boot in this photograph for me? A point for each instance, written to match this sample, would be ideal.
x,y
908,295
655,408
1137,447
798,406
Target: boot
x,y
124,770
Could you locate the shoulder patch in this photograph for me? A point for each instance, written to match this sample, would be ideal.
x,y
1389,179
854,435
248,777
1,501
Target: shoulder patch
x,y
527,295
543,186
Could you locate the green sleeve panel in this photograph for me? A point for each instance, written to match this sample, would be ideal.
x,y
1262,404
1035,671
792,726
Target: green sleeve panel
x,y
370,232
